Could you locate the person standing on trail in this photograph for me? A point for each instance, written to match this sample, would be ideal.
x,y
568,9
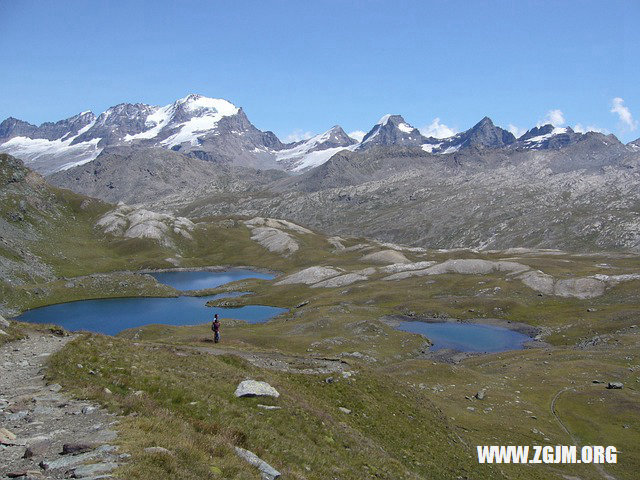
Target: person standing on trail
x,y
215,326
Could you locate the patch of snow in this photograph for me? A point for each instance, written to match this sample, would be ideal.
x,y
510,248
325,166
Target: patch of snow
x,y
207,113
59,153
156,121
451,149
534,141
384,119
403,127
429,147
310,153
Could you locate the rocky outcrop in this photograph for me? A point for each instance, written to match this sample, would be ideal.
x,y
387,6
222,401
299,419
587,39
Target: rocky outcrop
x,y
585,287
403,267
277,223
271,234
309,276
579,287
275,240
463,266
136,222
386,257
341,281
327,277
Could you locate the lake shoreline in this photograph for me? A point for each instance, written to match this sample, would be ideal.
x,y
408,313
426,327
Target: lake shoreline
x,y
208,268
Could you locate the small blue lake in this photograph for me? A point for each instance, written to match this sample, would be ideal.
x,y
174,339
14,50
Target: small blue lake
x,y
199,280
467,337
113,315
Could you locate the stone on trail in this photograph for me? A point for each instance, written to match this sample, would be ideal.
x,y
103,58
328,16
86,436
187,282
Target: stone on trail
x,y
267,471
37,448
26,474
76,448
253,388
7,437
71,461
93,469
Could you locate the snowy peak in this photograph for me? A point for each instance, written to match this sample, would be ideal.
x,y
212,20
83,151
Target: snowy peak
x,y
13,127
69,127
332,138
300,156
183,121
169,125
485,134
392,130
548,137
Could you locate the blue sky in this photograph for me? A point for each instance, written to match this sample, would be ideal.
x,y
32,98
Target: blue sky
x,y
303,66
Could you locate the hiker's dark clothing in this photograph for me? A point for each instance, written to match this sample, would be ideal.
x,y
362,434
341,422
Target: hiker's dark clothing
x,y
216,331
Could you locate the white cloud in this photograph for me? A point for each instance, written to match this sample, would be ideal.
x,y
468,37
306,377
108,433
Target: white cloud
x,y
554,117
357,135
624,114
437,130
298,135
517,131
579,128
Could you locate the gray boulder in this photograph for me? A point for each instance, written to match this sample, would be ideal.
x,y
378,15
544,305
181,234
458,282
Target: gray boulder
x,y
253,388
615,385
481,394
3,322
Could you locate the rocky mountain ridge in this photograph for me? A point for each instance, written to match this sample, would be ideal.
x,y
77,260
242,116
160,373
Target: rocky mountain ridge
x,y
215,130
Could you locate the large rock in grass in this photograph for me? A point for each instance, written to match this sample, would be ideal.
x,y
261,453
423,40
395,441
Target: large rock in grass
x,y
253,388
3,323
340,281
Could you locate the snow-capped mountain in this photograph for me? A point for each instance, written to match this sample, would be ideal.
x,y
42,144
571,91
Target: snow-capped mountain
x,y
548,136
392,130
208,128
300,156
51,146
216,130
